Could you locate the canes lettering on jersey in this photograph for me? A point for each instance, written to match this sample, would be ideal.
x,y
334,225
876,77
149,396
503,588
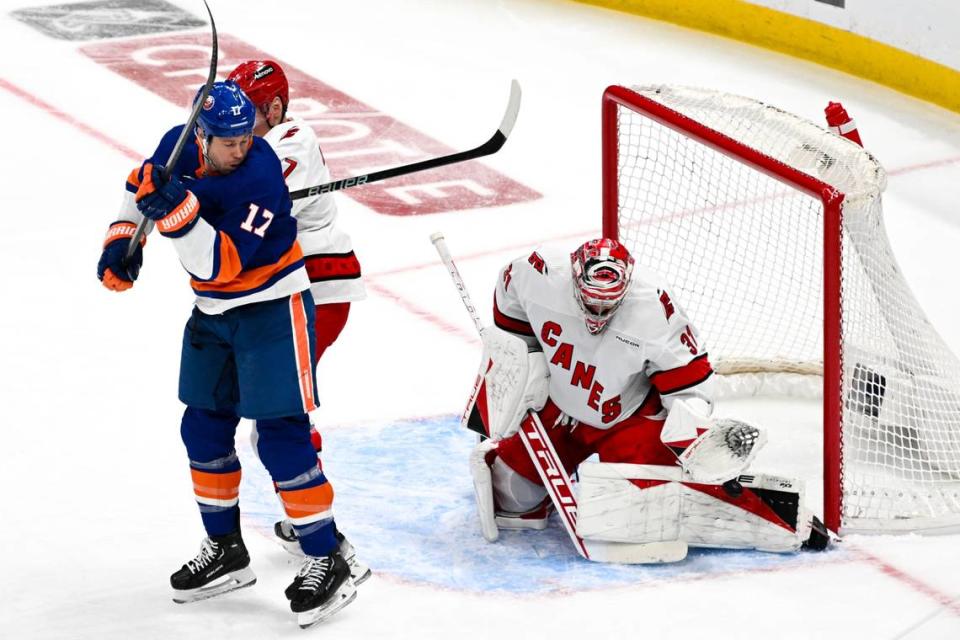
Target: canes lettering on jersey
x,y
582,374
648,353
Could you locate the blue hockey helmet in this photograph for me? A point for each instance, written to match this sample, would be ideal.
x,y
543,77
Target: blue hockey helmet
x,y
227,112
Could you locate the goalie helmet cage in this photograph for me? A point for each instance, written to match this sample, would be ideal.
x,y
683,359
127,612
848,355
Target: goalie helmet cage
x,y
770,230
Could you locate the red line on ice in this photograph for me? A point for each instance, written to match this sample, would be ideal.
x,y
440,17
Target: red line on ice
x,y
933,164
948,602
23,94
590,233
433,319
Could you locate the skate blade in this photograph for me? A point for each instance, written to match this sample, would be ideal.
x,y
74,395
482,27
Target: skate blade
x,y
291,546
346,594
359,573
231,582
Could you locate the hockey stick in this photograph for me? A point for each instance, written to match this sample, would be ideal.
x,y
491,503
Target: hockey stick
x,y
489,147
142,228
534,437
552,473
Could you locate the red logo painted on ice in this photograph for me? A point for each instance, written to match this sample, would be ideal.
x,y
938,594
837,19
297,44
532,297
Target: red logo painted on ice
x,y
356,138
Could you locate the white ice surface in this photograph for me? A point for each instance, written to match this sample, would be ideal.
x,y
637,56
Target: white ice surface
x,y
96,506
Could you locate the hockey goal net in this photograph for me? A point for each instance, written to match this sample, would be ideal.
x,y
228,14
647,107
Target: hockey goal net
x,y
770,230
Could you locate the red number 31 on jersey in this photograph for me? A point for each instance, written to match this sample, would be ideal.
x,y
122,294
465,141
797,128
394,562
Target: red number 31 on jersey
x,y
689,341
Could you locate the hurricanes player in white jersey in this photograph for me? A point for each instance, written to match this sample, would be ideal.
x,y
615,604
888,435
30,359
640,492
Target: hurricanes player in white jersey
x,y
629,380
333,268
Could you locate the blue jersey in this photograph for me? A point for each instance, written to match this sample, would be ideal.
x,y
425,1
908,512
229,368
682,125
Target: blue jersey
x,y
243,248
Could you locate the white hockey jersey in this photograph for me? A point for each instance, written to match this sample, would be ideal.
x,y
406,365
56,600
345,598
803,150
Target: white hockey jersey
x,y
331,264
648,353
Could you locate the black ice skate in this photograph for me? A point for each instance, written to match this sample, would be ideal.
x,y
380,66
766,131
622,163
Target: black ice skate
x,y
359,572
322,587
287,537
223,565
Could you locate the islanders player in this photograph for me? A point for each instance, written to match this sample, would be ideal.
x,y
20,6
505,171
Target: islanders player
x,y
248,347
332,266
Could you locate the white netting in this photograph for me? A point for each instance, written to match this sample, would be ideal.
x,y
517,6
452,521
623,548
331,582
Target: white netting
x,y
744,252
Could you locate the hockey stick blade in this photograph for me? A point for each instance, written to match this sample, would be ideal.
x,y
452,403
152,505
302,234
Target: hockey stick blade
x,y
489,147
142,227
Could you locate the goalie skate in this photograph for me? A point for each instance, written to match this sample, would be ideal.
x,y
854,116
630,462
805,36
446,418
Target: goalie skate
x,y
537,518
287,538
222,566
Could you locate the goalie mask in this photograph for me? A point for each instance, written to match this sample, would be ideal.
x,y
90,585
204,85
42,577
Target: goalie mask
x,y
601,276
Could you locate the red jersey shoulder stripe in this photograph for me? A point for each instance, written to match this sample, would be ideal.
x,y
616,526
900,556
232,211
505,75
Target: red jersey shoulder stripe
x,y
689,375
507,323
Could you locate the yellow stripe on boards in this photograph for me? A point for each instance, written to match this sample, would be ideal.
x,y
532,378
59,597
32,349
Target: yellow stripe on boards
x,y
807,39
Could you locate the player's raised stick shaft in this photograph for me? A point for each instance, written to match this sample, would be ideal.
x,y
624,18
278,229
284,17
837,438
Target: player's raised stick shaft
x,y
142,227
489,147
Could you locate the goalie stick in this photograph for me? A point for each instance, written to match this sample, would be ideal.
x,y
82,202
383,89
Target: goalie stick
x,y
489,147
142,227
552,473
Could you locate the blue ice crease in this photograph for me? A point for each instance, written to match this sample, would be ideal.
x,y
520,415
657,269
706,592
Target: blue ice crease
x,y
404,498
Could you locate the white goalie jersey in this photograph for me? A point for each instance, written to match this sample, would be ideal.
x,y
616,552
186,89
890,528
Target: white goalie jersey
x,y
331,264
648,353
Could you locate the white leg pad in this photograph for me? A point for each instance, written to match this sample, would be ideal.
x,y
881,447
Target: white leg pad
x,y
650,503
483,489
748,522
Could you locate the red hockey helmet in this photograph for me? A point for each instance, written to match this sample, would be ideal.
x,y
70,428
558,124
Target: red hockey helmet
x,y
601,276
262,81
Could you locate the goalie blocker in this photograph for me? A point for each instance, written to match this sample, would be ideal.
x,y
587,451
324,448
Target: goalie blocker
x,y
511,381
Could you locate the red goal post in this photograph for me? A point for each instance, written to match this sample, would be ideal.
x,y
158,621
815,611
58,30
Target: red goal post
x,y
770,227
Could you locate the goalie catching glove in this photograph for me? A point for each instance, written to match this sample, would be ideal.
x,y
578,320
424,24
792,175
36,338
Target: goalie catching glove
x,y
710,450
